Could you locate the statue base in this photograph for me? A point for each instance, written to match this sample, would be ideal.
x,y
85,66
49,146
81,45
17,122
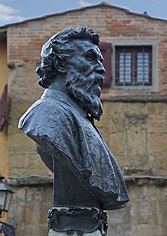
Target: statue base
x,y
64,221
54,233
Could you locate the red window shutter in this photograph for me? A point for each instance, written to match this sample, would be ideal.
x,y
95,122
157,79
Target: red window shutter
x,y
4,108
106,50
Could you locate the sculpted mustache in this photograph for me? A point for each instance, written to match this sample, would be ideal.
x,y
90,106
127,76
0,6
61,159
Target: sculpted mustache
x,y
98,79
89,80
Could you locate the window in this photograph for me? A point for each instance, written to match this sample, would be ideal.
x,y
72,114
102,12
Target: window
x,y
133,65
129,65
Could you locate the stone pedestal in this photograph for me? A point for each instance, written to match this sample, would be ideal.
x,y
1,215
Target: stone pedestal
x,y
63,221
54,233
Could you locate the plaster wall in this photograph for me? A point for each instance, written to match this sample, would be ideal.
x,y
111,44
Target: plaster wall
x,y
3,134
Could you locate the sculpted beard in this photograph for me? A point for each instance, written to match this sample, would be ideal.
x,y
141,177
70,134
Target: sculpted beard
x,y
85,91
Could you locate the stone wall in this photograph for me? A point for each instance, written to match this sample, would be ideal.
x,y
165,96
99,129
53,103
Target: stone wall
x,y
136,132
23,159
30,205
145,214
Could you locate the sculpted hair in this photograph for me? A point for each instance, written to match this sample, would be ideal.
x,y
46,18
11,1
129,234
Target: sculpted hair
x,y
57,49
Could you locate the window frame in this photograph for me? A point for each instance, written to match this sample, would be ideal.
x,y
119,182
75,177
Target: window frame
x,y
4,107
154,64
106,50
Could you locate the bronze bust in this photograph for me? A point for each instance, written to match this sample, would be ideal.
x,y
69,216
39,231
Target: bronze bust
x,y
87,178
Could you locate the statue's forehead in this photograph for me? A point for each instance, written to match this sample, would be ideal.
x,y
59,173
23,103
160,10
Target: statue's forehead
x,y
85,45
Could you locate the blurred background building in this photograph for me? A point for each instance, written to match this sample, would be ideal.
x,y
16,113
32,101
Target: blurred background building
x,y
134,123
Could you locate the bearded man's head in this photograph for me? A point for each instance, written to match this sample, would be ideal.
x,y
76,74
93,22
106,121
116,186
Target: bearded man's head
x,y
77,51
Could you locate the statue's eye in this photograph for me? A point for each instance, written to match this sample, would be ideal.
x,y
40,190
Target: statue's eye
x,y
101,59
90,57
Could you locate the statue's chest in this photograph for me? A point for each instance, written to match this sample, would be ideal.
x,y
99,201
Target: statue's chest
x,y
90,134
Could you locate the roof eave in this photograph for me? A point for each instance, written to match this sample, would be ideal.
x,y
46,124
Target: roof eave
x,y
102,4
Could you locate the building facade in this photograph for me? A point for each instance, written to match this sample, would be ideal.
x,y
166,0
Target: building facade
x,y
134,123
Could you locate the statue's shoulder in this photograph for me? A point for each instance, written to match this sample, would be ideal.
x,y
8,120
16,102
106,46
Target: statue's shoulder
x,y
46,112
46,106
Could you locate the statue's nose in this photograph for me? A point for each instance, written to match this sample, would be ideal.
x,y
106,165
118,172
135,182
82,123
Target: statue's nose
x,y
100,68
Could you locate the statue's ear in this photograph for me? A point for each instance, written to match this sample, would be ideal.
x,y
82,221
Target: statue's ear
x,y
60,63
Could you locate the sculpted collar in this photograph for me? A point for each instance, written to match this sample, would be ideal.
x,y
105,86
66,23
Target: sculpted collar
x,y
65,98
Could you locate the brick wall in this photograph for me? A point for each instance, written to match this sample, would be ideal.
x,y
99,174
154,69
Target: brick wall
x,y
25,40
